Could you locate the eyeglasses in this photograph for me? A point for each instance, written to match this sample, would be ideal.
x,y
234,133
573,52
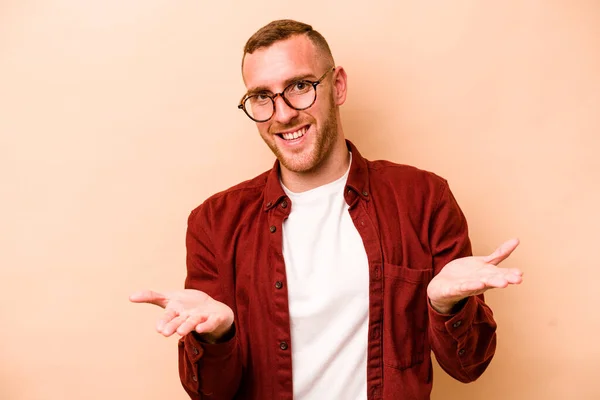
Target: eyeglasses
x,y
299,95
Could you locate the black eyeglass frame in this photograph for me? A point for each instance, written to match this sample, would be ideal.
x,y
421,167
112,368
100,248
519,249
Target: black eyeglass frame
x,y
272,97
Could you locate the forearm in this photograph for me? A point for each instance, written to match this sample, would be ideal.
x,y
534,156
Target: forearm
x,y
464,343
210,371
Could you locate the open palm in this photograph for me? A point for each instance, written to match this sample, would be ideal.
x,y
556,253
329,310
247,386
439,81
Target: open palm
x,y
470,276
188,310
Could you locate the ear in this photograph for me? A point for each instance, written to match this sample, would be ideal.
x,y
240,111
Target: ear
x,y
340,86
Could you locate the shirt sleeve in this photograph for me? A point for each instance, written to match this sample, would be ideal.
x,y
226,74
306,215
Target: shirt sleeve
x,y
208,371
464,342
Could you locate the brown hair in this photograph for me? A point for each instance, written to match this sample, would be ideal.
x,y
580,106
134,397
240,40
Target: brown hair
x,y
284,29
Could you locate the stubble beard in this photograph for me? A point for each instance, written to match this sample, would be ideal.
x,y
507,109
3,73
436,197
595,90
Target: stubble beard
x,y
310,159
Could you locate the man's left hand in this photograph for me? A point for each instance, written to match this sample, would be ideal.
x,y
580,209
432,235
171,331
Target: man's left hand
x,y
470,276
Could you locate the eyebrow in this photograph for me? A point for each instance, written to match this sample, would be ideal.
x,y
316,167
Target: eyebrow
x,y
286,83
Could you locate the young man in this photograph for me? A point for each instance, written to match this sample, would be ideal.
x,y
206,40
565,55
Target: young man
x,y
330,276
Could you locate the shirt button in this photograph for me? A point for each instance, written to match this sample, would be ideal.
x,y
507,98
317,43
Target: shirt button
x,y
457,324
376,333
374,391
365,193
278,285
283,345
194,378
195,351
461,352
284,204
272,228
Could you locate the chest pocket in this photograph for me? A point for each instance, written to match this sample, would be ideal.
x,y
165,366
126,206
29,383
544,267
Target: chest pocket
x,y
405,315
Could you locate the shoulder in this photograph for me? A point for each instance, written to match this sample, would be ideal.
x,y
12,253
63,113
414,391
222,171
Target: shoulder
x,y
407,177
418,193
240,195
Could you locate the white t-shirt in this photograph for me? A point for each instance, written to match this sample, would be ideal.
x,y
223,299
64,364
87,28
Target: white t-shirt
x,y
328,285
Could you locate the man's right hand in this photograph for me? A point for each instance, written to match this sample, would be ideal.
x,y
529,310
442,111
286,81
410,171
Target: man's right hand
x,y
189,310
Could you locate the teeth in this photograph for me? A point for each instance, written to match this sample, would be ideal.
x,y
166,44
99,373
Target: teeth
x,y
294,135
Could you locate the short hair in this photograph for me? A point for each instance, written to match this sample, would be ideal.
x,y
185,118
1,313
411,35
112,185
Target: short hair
x,y
283,29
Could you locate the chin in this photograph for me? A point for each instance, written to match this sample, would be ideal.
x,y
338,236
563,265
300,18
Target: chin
x,y
299,165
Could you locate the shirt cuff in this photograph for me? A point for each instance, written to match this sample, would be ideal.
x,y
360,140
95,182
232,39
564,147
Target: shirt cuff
x,y
196,348
455,325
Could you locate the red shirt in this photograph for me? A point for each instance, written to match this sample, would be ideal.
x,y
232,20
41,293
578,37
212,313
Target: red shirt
x,y
411,226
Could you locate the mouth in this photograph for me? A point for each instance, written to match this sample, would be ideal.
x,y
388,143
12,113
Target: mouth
x,y
295,135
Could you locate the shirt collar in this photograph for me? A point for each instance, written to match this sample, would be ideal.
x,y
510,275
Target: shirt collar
x,y
358,180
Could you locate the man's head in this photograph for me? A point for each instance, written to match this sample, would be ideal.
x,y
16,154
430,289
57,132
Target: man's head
x,y
303,128
277,31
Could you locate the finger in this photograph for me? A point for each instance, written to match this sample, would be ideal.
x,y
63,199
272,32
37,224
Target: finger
x,y
511,275
165,319
502,252
469,287
514,279
209,325
190,324
171,326
495,281
514,271
149,296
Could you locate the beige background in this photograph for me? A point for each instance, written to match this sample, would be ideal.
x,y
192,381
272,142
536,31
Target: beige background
x,y
118,117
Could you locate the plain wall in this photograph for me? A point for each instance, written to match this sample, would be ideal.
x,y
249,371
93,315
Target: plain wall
x,y
119,117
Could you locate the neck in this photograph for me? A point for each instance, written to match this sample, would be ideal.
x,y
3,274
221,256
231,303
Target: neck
x,y
331,169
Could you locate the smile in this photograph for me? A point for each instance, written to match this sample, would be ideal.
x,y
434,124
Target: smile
x,y
295,134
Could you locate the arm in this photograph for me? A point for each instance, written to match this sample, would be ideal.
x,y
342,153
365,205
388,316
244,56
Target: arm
x,y
462,331
210,366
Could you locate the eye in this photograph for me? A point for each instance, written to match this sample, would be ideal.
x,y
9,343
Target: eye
x,y
300,86
262,97
259,99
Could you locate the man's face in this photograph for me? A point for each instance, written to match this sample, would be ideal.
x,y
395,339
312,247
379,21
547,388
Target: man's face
x,y
301,140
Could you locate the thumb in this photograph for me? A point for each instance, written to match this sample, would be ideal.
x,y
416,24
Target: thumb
x,y
149,296
502,252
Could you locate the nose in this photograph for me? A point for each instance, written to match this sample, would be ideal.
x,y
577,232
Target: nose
x,y
283,112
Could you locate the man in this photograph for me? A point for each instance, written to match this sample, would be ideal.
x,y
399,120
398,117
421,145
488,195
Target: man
x,y
330,276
